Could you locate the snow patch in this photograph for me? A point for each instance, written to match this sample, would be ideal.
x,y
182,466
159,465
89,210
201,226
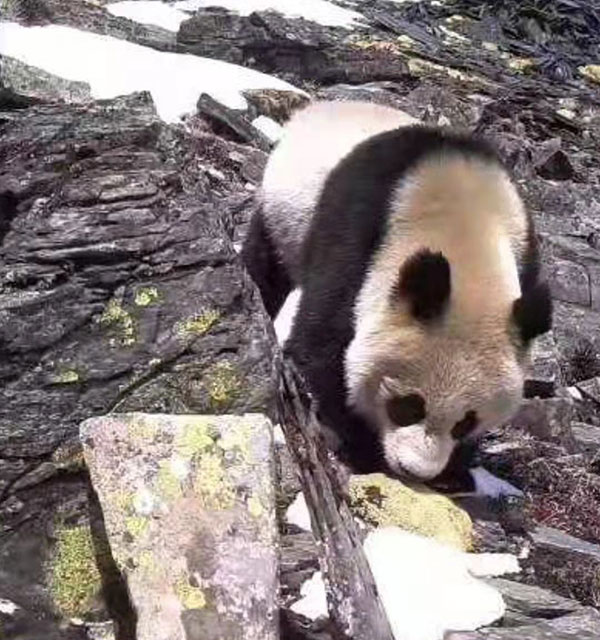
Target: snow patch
x,y
427,588
114,67
7,607
313,603
482,565
298,514
270,128
278,435
320,11
150,12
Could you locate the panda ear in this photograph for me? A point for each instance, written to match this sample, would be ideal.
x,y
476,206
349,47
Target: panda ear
x,y
424,282
532,312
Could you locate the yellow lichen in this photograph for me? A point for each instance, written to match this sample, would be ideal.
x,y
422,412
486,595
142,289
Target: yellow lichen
x,y
123,500
211,484
136,525
115,316
190,597
147,563
141,428
74,576
223,385
382,501
146,296
168,483
194,438
521,65
66,376
591,72
376,45
69,456
199,324
255,508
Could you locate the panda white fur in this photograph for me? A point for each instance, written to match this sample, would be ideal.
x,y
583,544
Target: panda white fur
x,y
415,274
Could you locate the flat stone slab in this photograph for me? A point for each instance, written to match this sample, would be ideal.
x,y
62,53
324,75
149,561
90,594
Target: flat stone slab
x,y
189,510
532,601
580,625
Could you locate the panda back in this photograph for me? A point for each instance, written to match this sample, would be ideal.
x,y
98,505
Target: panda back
x,y
315,140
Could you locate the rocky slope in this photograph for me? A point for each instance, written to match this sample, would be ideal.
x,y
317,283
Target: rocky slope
x,y
121,289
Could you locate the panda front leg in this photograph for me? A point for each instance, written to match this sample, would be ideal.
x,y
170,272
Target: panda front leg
x,y
264,266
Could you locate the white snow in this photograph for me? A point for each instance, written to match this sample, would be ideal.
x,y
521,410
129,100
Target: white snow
x,y
7,607
285,318
313,603
278,435
269,127
298,514
489,485
115,67
427,588
483,565
320,11
151,12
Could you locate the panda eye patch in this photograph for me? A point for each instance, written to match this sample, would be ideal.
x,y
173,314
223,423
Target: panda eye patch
x,y
406,410
465,426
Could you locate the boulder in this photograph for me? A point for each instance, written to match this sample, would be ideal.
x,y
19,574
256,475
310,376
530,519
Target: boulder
x,y
189,509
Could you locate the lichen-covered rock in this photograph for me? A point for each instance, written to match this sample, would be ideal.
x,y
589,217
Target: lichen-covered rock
x,y
383,501
189,508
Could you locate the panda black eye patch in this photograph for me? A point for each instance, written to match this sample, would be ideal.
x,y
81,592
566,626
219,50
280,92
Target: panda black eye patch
x,y
465,426
406,410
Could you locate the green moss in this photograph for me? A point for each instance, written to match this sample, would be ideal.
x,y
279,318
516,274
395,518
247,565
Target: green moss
x,y
200,324
146,296
168,484
74,576
121,321
136,525
211,484
189,596
195,437
382,501
223,385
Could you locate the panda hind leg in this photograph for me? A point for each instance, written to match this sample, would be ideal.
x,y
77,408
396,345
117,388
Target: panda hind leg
x,y
264,266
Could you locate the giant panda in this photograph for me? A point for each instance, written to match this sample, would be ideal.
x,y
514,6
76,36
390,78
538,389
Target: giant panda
x,y
411,270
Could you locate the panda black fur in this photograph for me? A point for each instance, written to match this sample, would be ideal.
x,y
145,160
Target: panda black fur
x,y
416,278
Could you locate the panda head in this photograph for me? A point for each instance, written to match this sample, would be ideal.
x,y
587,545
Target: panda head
x,y
437,375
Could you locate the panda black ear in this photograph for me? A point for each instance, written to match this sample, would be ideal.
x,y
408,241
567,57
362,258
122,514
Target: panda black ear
x,y
532,312
424,282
